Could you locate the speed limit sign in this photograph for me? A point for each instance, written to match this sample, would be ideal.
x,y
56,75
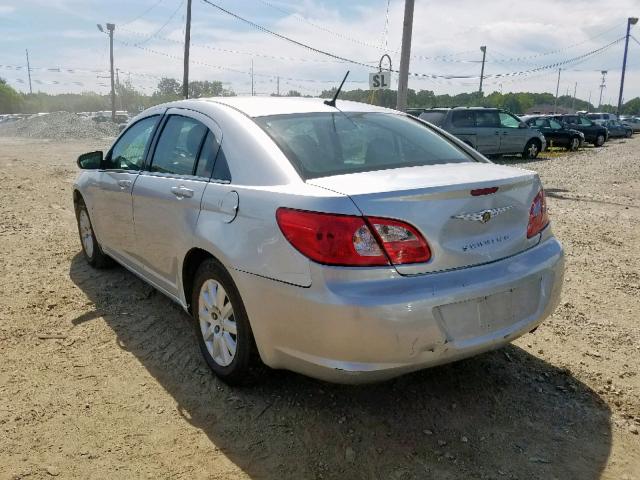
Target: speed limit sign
x,y
380,81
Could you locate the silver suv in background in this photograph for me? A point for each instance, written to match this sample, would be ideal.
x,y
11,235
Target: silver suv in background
x,y
601,118
491,131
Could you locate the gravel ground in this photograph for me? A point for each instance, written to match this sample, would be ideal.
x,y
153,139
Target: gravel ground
x,y
101,377
59,126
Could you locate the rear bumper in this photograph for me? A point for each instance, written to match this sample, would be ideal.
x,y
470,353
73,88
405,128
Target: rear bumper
x,y
349,329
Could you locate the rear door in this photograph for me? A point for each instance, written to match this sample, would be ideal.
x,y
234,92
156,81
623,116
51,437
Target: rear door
x,y
112,207
463,126
487,131
512,137
167,194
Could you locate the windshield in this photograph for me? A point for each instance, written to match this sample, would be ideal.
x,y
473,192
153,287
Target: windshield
x,y
324,144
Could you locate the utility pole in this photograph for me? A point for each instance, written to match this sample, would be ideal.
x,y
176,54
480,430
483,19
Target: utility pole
x,y
405,56
252,90
555,105
602,86
573,102
483,49
110,28
589,102
187,41
29,71
278,86
630,21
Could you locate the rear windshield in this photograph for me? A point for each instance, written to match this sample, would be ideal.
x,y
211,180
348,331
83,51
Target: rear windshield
x,y
324,144
433,117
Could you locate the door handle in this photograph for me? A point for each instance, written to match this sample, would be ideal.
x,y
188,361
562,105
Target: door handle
x,y
182,192
124,184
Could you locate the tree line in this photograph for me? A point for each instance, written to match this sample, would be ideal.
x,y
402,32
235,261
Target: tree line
x,y
168,89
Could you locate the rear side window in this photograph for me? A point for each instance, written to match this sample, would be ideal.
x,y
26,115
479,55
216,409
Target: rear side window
x,y
178,147
433,117
129,151
462,118
487,118
585,121
323,144
207,156
571,120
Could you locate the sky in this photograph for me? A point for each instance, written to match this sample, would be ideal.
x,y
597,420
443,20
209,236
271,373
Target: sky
x,y
526,40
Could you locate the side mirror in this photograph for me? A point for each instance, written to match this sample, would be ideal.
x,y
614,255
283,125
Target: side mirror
x,y
90,161
523,125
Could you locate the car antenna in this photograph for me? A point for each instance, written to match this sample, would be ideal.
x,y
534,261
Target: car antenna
x,y
332,102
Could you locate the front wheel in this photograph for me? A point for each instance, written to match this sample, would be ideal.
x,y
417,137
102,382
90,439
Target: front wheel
x,y
91,249
574,144
222,325
600,140
531,149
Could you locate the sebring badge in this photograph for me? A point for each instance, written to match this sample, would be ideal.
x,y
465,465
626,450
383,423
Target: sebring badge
x,y
483,216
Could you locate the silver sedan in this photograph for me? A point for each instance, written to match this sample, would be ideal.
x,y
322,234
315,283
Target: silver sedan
x,y
349,243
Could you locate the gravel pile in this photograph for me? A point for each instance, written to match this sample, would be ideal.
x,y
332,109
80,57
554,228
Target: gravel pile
x,y
59,126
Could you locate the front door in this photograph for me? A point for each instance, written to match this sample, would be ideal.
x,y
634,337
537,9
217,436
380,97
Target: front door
x,y
167,194
113,218
487,131
512,138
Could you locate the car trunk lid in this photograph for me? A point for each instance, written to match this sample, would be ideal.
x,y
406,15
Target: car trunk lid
x,y
462,228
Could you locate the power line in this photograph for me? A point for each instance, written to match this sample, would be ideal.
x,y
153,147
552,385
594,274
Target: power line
x,y
551,52
144,13
163,25
319,51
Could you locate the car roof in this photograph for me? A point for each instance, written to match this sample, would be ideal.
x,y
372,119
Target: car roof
x,y
446,109
262,106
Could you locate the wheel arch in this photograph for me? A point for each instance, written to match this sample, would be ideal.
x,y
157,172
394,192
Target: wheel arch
x,y
192,260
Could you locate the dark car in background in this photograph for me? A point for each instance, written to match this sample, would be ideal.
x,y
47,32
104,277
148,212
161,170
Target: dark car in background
x,y
491,131
618,129
594,134
556,133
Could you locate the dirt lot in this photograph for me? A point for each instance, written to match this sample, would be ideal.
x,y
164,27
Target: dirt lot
x,y
100,376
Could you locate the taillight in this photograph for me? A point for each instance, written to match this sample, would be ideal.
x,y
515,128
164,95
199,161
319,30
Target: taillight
x,y
351,240
538,216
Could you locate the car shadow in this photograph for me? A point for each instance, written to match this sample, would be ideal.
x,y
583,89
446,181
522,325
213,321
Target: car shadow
x,y
505,414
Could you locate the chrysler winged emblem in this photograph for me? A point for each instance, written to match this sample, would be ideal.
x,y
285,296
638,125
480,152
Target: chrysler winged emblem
x,y
483,216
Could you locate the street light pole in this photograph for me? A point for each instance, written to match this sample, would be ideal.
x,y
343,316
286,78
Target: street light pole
x,y
555,105
110,28
630,21
405,56
483,49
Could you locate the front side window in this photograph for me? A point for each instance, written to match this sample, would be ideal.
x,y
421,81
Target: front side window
x,y
508,121
323,144
585,121
571,120
178,147
555,125
129,151
540,122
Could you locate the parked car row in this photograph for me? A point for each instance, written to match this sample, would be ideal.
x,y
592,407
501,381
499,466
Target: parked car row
x,y
493,131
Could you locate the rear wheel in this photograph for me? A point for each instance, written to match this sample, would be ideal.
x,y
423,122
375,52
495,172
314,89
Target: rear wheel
x,y
600,140
90,247
628,134
531,149
574,144
221,322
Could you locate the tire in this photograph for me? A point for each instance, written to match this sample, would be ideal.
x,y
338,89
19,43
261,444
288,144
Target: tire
x,y
628,134
221,323
599,140
574,144
91,249
531,149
